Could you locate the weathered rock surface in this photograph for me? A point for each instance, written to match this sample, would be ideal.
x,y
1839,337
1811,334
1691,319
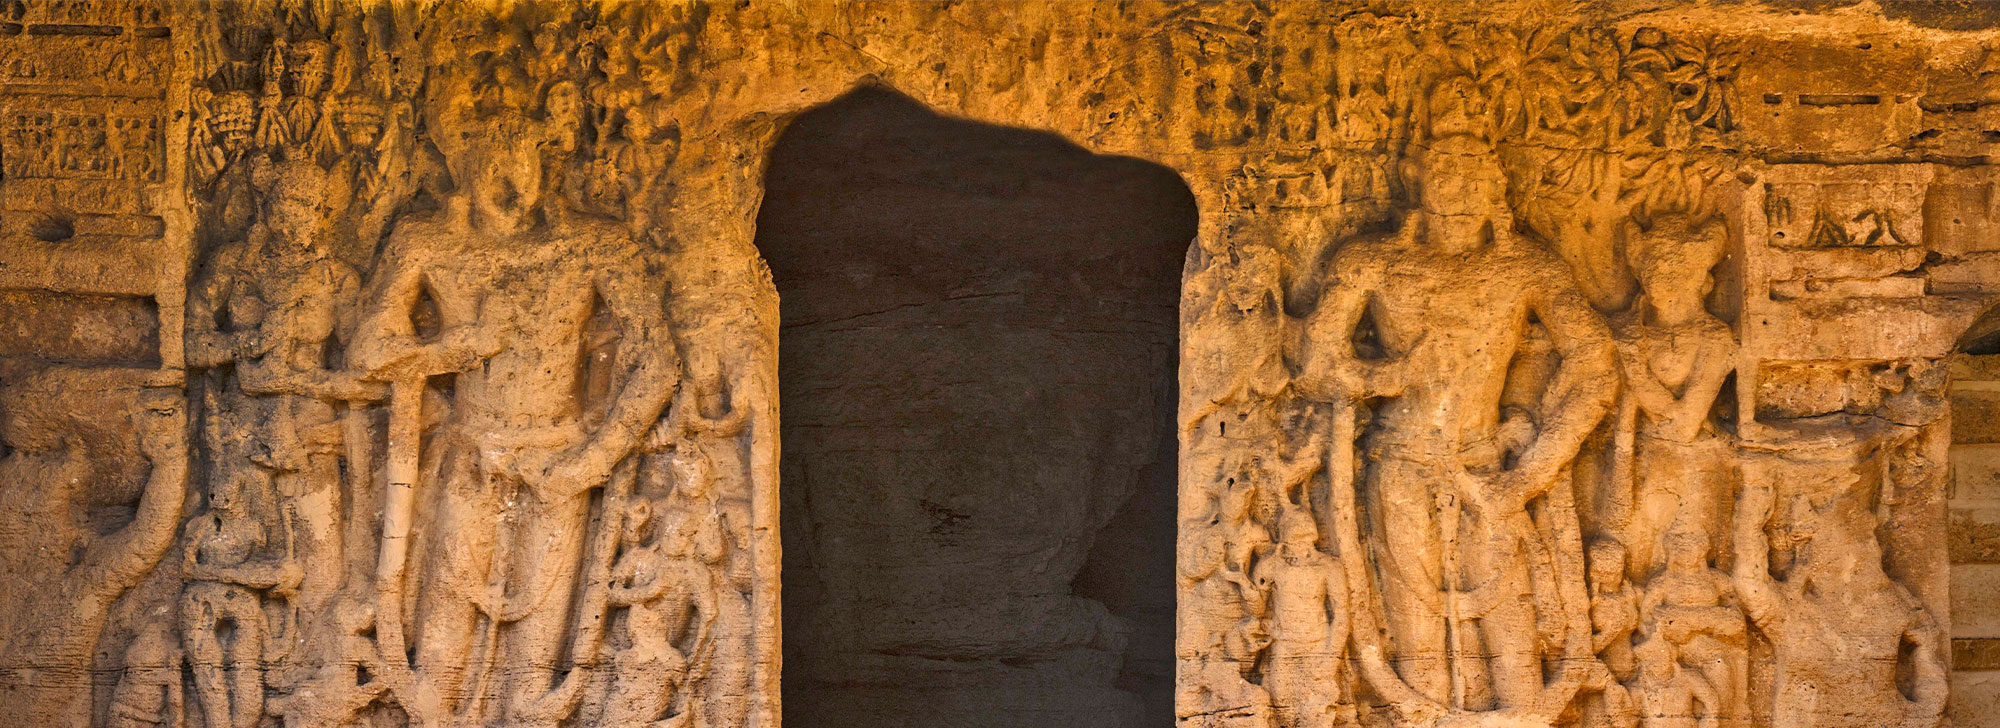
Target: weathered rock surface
x,y
1539,363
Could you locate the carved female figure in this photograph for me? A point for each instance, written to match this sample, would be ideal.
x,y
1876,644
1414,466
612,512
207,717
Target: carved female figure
x,y
1674,355
222,608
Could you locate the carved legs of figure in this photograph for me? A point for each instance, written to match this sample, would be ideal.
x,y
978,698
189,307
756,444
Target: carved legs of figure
x,y
458,543
543,558
1412,571
222,629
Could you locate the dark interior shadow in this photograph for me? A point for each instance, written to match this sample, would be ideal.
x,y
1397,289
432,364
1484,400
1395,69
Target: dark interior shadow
x,y
977,377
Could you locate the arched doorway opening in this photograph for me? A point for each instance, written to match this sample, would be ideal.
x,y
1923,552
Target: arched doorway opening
x,y
977,385
1974,535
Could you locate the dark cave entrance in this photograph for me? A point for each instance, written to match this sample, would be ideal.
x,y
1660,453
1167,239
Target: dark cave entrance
x,y
977,385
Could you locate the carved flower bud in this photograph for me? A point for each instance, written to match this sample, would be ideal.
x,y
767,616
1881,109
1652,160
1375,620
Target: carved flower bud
x,y
235,115
359,118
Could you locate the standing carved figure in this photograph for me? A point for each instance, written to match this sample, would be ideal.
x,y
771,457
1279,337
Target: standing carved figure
x,y
1309,625
1614,617
1450,297
1838,625
505,494
1675,356
263,315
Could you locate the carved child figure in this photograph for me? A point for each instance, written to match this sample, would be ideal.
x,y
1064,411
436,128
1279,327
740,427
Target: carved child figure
x,y
341,682
668,585
1692,608
223,622
1614,616
1675,356
1668,694
1309,625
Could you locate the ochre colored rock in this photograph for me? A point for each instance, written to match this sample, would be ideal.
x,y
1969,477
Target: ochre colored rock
x,y
1539,363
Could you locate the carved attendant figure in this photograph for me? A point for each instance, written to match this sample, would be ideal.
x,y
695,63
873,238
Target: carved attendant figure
x,y
222,607
1838,624
1675,356
669,588
1309,625
1451,296
273,305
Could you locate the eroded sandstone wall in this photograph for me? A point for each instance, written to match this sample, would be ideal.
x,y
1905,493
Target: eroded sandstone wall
x,y
1540,363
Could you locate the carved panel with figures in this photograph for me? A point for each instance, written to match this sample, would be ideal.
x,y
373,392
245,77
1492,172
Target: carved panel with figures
x,y
412,363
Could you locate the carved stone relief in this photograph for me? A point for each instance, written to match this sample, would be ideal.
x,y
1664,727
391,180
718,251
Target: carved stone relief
x,y
1609,408
1558,364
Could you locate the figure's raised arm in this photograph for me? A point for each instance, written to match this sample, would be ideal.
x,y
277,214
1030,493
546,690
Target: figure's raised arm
x,y
1329,369
386,345
118,561
648,373
383,329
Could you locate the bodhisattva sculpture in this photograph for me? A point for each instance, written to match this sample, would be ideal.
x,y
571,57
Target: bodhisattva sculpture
x,y
262,317
1451,297
1675,356
1837,623
64,580
505,491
